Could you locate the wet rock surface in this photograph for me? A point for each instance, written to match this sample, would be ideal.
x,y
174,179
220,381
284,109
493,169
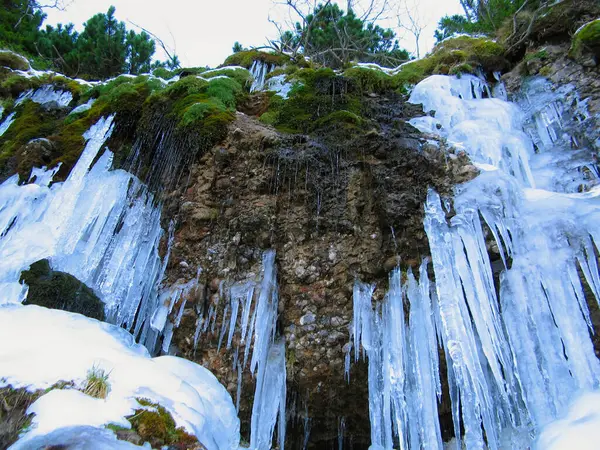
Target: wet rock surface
x,y
336,206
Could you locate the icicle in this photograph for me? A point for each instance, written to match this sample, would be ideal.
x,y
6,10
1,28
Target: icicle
x,y
259,72
268,364
5,125
341,432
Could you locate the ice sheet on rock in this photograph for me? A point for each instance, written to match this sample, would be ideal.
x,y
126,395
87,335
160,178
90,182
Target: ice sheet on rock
x,y
84,107
278,85
560,126
517,358
248,321
6,123
268,364
45,95
259,72
66,345
488,129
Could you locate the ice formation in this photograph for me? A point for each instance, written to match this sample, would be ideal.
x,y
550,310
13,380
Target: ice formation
x,y
100,225
404,384
65,346
250,312
83,107
6,123
259,72
45,95
515,327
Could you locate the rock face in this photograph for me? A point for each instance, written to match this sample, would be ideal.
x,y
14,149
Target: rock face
x,y
59,290
335,207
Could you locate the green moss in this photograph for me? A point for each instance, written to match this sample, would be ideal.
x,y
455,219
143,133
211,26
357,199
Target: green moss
x,y
163,73
339,118
461,68
241,76
186,86
586,40
541,54
14,84
369,80
246,58
31,122
315,94
154,424
288,69
225,90
192,71
453,56
13,60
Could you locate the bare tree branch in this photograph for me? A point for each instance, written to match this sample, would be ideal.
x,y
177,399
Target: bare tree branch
x,y
170,52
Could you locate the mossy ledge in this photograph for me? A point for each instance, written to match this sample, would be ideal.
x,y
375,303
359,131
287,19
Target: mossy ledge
x,y
463,54
152,423
247,57
586,41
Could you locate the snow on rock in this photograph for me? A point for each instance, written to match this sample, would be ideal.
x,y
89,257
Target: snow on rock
x,y
76,438
579,429
39,347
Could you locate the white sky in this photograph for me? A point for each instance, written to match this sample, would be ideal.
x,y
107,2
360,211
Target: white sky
x,y
203,31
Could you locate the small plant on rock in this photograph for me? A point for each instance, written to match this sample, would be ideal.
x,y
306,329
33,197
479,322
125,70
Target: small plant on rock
x,y
96,383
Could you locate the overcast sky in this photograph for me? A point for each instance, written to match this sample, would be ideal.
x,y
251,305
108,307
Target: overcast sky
x,y
203,31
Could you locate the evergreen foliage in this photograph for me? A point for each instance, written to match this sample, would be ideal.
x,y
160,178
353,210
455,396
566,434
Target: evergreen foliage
x,y
104,49
482,16
334,38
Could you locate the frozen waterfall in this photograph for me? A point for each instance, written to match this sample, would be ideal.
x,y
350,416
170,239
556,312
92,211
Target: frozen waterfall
x,y
514,255
100,225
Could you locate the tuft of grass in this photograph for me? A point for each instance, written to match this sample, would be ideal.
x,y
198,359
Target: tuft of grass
x,y
96,383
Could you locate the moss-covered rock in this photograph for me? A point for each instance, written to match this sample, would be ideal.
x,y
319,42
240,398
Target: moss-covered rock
x,y
155,425
369,80
14,419
586,41
248,57
13,60
241,75
31,122
457,55
315,95
59,290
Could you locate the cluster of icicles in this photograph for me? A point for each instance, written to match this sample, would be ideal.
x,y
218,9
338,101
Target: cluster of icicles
x,y
516,356
103,226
